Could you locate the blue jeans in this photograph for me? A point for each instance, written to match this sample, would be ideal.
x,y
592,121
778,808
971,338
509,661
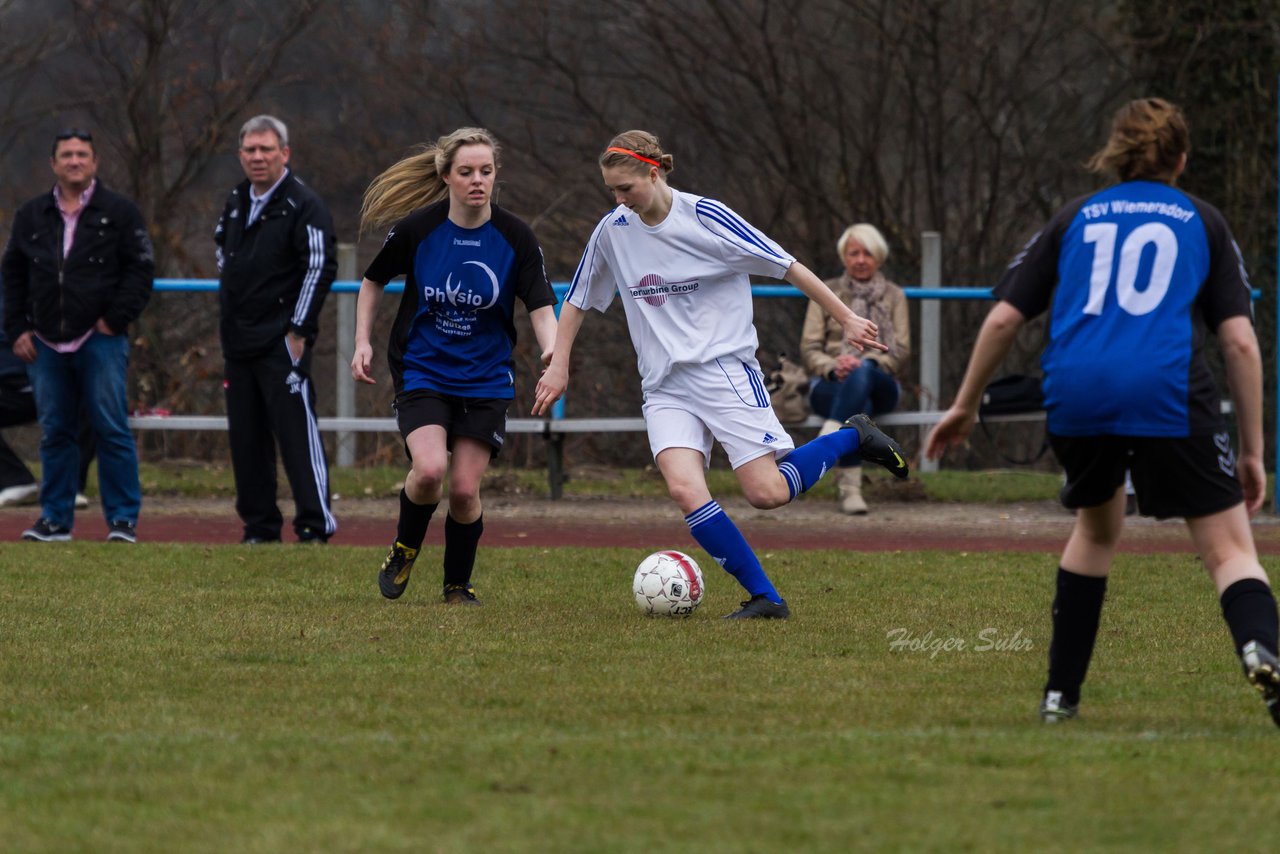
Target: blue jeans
x,y
94,374
866,389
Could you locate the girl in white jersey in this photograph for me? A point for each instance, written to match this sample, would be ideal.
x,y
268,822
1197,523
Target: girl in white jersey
x,y
682,265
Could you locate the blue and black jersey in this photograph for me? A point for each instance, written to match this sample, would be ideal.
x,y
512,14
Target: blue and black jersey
x,y
454,331
1133,276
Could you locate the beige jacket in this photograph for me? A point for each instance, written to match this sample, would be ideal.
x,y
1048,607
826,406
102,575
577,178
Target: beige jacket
x,y
823,339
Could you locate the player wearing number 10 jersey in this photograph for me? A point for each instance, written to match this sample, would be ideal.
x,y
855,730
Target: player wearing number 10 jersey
x,y
1133,278
1147,270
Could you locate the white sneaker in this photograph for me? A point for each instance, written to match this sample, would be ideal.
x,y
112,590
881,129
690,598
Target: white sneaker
x,y
15,496
82,501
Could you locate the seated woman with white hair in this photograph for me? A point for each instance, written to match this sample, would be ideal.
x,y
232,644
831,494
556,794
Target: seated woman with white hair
x,y
846,382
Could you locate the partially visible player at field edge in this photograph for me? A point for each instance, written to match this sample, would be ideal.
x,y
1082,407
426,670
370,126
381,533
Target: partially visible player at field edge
x,y
682,264
1134,276
465,260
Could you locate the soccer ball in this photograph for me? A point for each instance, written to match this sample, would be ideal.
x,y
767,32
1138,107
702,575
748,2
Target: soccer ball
x,y
668,584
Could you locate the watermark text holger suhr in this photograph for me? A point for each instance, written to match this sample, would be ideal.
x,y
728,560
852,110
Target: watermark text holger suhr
x,y
989,639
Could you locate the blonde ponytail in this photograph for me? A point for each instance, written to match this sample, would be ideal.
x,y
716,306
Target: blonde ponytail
x,y
417,180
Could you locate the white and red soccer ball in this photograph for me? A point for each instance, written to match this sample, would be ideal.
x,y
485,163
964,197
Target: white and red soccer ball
x,y
668,584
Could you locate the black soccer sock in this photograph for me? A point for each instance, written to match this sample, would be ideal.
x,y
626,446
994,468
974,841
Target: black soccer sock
x,y
460,541
1249,608
1077,608
411,530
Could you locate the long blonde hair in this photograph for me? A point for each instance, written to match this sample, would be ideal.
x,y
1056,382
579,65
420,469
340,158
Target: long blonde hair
x,y
417,180
639,142
1147,141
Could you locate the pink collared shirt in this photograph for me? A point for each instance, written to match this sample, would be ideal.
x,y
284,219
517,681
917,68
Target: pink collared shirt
x,y
70,221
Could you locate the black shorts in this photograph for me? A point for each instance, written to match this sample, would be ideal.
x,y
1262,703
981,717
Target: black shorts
x,y
481,418
1185,478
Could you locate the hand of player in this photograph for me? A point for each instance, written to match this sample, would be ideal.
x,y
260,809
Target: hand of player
x,y
951,431
551,386
861,333
546,357
25,348
361,359
1253,481
101,327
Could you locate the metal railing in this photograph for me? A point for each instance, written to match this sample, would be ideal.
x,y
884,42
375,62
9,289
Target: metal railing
x,y
346,423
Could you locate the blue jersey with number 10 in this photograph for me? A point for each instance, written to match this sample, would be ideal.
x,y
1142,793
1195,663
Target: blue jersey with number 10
x,y
1142,270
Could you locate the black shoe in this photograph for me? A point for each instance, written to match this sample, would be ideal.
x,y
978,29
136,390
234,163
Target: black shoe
x,y
758,607
45,531
1053,710
1263,672
394,577
122,531
311,535
876,446
460,594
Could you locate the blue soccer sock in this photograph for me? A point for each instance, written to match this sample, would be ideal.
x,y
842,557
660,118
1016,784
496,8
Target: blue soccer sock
x,y
721,539
806,465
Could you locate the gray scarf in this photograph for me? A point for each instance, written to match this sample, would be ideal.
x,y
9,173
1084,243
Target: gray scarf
x,y
867,299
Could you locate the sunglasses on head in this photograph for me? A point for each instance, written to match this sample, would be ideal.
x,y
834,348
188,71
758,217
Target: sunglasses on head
x,y
71,133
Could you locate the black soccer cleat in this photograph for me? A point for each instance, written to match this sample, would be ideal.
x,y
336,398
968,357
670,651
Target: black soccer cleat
x,y
758,607
460,594
1263,672
875,445
394,576
1054,710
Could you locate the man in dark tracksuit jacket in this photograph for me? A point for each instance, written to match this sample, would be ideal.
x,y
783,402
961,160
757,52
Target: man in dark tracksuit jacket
x,y
277,256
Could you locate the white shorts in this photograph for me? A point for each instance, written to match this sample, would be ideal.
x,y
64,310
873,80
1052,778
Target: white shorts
x,y
724,400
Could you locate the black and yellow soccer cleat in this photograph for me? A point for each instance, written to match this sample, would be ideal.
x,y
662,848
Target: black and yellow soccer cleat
x,y
394,577
460,594
1263,672
875,445
758,607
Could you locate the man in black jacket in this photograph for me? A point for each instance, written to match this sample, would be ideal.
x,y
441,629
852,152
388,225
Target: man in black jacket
x,y
277,256
77,271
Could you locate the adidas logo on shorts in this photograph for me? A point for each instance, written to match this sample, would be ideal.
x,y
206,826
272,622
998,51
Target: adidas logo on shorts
x,y
769,438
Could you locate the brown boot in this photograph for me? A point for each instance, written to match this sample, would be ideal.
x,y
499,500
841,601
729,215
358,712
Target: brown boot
x,y
850,482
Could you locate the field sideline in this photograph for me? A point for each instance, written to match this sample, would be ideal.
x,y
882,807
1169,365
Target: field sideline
x,y
218,698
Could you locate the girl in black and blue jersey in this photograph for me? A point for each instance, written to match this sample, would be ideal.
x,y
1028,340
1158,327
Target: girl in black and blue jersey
x,y
1134,276
465,261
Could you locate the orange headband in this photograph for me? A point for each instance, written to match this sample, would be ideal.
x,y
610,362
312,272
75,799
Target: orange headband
x,y
637,155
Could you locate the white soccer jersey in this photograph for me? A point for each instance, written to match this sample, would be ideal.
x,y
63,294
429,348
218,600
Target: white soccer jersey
x,y
684,282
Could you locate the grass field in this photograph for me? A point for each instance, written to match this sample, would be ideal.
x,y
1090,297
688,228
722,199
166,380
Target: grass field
x,y
227,699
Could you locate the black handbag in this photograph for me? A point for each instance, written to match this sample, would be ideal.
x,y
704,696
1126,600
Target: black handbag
x,y
1012,394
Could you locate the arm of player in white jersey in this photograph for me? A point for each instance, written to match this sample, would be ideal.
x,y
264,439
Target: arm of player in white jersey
x,y
858,331
555,379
